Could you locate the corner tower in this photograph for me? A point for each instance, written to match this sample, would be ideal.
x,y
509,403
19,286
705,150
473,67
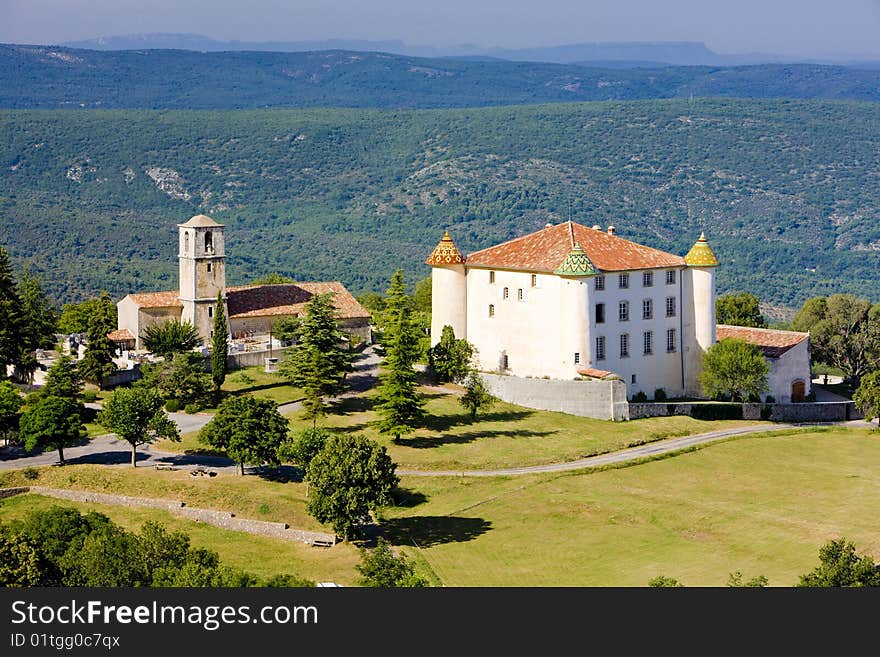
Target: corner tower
x,y
448,290
202,257
698,301
575,271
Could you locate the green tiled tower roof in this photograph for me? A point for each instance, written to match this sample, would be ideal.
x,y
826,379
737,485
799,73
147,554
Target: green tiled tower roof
x,y
576,263
701,254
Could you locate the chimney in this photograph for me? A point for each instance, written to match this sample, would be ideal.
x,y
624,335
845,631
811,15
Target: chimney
x,y
597,227
548,225
611,230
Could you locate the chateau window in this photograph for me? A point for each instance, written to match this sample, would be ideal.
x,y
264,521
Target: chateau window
x,y
491,310
600,282
633,378
209,267
491,277
577,357
648,342
624,345
670,277
534,280
519,294
623,281
506,293
670,306
647,309
209,242
670,341
648,279
623,311
600,347
600,313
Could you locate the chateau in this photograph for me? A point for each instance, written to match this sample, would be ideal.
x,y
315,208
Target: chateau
x,y
251,310
572,302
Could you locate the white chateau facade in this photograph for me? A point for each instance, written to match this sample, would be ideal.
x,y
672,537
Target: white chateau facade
x,y
573,302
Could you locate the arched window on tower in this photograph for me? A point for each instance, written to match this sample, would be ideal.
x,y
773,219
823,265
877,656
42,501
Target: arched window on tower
x,y
209,242
186,243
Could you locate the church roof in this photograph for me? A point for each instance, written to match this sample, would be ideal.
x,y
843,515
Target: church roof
x,y
167,299
289,299
201,221
121,335
701,254
772,342
445,253
546,249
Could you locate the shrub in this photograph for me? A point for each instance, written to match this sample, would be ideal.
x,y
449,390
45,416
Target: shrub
x,y
811,397
30,474
172,406
89,396
769,399
33,398
640,397
192,408
660,395
717,411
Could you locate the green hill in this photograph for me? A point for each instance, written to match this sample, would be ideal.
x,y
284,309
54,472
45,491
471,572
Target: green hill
x,y
54,77
787,190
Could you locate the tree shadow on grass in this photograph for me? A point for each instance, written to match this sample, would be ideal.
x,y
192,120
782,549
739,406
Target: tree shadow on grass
x,y
283,474
347,405
106,458
426,442
446,422
408,498
433,530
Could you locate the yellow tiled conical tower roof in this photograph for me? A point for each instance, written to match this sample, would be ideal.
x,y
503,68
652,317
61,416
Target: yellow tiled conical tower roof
x,y
445,253
701,254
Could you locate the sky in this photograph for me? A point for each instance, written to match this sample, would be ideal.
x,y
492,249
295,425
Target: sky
x,y
809,28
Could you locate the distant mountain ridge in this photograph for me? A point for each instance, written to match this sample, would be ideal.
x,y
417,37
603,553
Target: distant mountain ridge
x,y
48,77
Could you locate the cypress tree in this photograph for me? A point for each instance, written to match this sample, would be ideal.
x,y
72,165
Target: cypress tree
x,y
11,319
219,345
40,320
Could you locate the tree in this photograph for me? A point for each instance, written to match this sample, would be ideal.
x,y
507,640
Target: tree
x,y
475,397
735,580
663,582
844,332
734,367
63,379
273,279
21,564
422,296
840,566
250,430
867,395
450,358
171,337
40,321
54,423
739,309
301,447
219,345
348,479
97,361
10,405
380,567
76,317
318,363
183,378
11,319
286,329
396,302
136,415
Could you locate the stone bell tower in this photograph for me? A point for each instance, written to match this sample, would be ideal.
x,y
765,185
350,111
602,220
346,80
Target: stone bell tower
x,y
202,272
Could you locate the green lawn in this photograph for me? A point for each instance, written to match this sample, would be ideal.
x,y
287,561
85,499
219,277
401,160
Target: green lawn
x,y
762,505
257,382
260,555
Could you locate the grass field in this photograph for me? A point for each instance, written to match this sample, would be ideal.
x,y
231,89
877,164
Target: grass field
x,y
760,505
260,555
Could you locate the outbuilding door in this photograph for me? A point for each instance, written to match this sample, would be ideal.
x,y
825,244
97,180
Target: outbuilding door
x,y
798,391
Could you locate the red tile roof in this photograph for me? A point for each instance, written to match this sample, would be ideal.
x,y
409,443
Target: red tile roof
x,y
772,342
121,335
594,373
289,299
544,250
168,299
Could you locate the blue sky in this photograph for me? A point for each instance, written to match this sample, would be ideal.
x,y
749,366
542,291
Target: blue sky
x,y
818,28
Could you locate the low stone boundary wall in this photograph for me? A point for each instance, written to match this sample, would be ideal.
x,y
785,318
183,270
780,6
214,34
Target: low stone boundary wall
x,y
222,519
602,400
803,412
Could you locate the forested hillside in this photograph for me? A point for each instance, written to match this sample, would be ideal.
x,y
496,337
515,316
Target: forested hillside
x,y
788,191
51,78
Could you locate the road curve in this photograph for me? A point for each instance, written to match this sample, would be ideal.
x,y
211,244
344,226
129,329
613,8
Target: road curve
x,y
622,456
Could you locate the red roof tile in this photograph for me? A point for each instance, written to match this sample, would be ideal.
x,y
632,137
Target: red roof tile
x,y
594,373
121,335
544,250
772,342
289,299
167,299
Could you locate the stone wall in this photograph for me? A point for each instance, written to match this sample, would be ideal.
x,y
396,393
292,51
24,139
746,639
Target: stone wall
x,y
602,400
804,412
223,519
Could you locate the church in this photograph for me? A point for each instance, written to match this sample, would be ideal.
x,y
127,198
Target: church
x,y
251,310
572,302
